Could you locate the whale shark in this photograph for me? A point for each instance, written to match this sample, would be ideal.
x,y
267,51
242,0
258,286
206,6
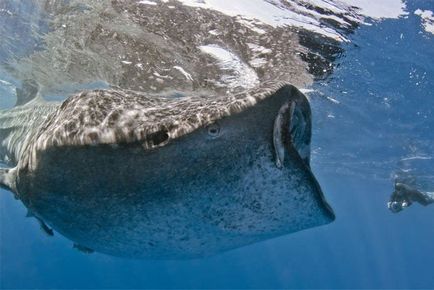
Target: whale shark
x,y
199,144
129,175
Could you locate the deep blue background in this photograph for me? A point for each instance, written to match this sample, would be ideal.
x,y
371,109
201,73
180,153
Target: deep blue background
x,y
384,88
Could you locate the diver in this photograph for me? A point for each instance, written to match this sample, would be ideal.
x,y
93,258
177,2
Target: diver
x,y
404,195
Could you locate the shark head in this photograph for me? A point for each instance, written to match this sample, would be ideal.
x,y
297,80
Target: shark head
x,y
156,173
240,176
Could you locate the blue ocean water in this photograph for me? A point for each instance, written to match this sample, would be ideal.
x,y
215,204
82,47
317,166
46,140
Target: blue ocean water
x,y
372,117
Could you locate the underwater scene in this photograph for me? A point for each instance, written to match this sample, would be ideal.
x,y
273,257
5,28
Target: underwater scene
x,y
216,144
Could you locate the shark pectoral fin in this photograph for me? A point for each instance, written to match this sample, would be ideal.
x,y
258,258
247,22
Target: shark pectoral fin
x,y
44,228
7,179
83,249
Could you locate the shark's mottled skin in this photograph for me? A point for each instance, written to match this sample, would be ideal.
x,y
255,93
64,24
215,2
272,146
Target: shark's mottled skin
x,y
17,125
201,144
239,177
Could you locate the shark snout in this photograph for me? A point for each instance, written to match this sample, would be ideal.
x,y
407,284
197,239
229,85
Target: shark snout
x,y
292,132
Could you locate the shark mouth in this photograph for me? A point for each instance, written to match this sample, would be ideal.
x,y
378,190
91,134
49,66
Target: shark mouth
x,y
292,130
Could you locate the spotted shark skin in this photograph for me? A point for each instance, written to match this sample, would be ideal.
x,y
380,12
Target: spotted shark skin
x,y
201,193
183,155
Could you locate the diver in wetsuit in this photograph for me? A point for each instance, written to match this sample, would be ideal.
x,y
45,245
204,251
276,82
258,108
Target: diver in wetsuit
x,y
404,196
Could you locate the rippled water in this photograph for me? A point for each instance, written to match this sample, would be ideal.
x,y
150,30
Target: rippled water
x,y
373,124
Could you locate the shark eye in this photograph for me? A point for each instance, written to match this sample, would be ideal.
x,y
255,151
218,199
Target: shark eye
x,y
213,130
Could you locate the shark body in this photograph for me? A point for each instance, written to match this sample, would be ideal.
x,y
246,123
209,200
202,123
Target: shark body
x,y
200,144
170,190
